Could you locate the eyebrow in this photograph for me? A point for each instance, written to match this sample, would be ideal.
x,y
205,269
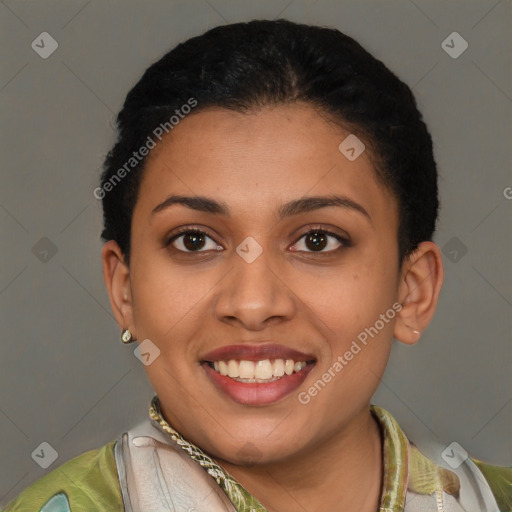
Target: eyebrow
x,y
295,207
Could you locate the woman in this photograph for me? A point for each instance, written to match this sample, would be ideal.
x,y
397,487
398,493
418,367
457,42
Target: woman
x,y
269,208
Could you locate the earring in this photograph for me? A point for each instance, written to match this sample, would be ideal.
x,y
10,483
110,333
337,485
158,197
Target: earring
x,y
126,336
413,330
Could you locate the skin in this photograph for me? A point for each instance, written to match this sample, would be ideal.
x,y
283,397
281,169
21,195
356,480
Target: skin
x,y
325,454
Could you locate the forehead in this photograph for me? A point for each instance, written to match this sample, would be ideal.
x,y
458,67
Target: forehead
x,y
261,158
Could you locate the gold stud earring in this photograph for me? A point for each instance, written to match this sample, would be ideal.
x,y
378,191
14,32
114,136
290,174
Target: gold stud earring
x,y
126,336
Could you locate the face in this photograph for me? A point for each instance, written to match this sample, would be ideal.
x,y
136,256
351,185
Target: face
x,y
258,272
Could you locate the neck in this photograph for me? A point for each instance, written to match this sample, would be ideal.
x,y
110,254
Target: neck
x,y
344,472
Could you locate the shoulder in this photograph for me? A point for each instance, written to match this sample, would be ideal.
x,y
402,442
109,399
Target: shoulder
x,y
86,482
471,483
499,479
438,474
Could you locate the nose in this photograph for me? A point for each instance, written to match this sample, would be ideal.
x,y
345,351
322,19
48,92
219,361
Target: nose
x,y
254,295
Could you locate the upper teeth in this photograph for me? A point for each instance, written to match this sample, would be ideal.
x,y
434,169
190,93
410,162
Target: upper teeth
x,y
263,370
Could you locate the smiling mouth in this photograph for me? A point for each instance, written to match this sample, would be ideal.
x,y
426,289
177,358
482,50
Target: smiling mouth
x,y
261,372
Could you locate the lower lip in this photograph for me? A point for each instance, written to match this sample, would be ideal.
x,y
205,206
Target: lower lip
x,y
257,393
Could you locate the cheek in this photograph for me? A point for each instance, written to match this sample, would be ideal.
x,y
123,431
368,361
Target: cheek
x,y
352,299
165,298
356,305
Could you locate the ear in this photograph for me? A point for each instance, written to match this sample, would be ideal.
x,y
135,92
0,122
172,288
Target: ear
x,y
117,280
421,280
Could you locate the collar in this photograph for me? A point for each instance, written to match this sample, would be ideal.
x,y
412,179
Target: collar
x,y
395,461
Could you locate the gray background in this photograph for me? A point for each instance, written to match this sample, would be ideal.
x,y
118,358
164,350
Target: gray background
x,y
66,379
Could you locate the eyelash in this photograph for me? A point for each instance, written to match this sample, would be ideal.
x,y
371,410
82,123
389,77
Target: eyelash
x,y
318,229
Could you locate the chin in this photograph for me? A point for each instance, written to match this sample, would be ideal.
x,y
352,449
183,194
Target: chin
x,y
259,453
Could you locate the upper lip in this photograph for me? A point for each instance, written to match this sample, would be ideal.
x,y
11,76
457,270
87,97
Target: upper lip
x,y
256,352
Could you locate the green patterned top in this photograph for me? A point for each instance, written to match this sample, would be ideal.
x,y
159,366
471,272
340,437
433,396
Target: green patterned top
x,y
90,482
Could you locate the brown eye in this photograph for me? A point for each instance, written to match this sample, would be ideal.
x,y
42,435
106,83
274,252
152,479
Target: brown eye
x,y
193,240
317,240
